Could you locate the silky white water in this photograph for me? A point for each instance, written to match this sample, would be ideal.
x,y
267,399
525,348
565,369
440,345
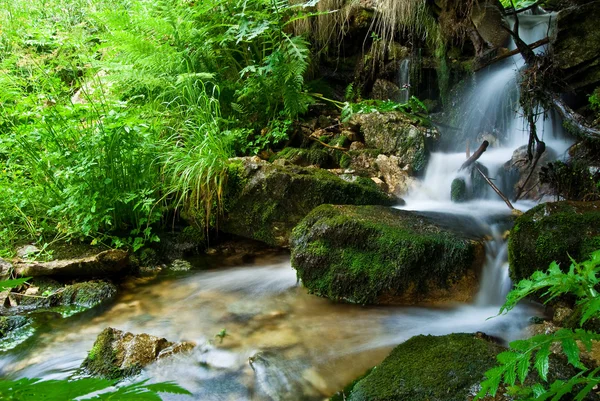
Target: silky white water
x,y
281,343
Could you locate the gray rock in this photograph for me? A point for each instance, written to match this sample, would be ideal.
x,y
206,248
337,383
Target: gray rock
x,y
104,264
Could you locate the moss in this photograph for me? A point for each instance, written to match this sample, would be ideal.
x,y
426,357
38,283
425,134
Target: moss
x,y
458,190
304,157
88,294
272,203
10,323
428,368
102,359
362,254
553,232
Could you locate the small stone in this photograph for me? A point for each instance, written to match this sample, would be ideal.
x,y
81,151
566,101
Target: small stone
x,y
26,251
357,146
32,291
180,265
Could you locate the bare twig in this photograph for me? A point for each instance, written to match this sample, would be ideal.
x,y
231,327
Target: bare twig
x,y
495,188
511,53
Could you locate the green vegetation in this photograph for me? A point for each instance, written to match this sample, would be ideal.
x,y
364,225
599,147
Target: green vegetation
x,y
545,234
84,389
580,281
427,368
115,113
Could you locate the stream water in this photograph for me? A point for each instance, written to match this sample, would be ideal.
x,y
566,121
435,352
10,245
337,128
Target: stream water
x,y
302,347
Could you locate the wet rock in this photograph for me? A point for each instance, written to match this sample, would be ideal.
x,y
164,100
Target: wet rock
x,y
469,186
489,21
265,202
9,324
357,146
305,157
280,379
386,90
515,171
395,133
26,251
50,295
117,354
550,232
14,330
180,265
578,60
427,368
279,337
397,179
104,264
374,254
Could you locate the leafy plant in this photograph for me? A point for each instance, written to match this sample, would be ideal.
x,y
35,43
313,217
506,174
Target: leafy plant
x,y
84,389
413,106
515,364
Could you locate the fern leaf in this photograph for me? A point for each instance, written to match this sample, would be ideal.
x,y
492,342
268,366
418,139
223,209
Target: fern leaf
x,y
542,361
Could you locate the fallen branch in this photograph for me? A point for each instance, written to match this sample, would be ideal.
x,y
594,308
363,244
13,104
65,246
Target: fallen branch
x,y
495,188
511,53
566,113
475,156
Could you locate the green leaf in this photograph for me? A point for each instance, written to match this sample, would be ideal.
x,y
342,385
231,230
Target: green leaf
x,y
8,284
542,361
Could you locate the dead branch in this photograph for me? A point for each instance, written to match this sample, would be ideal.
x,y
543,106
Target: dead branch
x,y
511,53
574,119
495,188
475,156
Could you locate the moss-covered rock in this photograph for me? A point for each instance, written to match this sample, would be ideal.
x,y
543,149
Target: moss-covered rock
x,y
14,330
428,368
375,254
50,295
553,232
472,187
117,354
396,133
305,157
265,201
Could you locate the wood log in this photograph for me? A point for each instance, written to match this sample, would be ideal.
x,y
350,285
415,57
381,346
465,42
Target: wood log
x,y
511,53
475,156
573,118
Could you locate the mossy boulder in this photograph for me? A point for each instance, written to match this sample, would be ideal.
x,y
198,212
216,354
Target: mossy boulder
x,y
473,186
552,232
375,255
399,134
428,368
9,324
575,45
117,354
265,201
50,295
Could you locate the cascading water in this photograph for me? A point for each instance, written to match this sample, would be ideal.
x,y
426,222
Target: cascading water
x,y
404,80
490,111
302,347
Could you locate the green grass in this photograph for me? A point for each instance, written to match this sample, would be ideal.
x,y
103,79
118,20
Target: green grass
x,y
113,113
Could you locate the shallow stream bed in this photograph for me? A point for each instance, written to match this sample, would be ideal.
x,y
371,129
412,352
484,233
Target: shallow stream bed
x,y
281,343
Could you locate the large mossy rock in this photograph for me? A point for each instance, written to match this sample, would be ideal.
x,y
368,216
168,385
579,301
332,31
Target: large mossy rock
x,y
553,232
396,133
117,354
575,45
266,201
375,254
428,368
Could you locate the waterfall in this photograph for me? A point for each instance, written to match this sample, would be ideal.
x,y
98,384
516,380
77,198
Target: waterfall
x,y
488,109
404,80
